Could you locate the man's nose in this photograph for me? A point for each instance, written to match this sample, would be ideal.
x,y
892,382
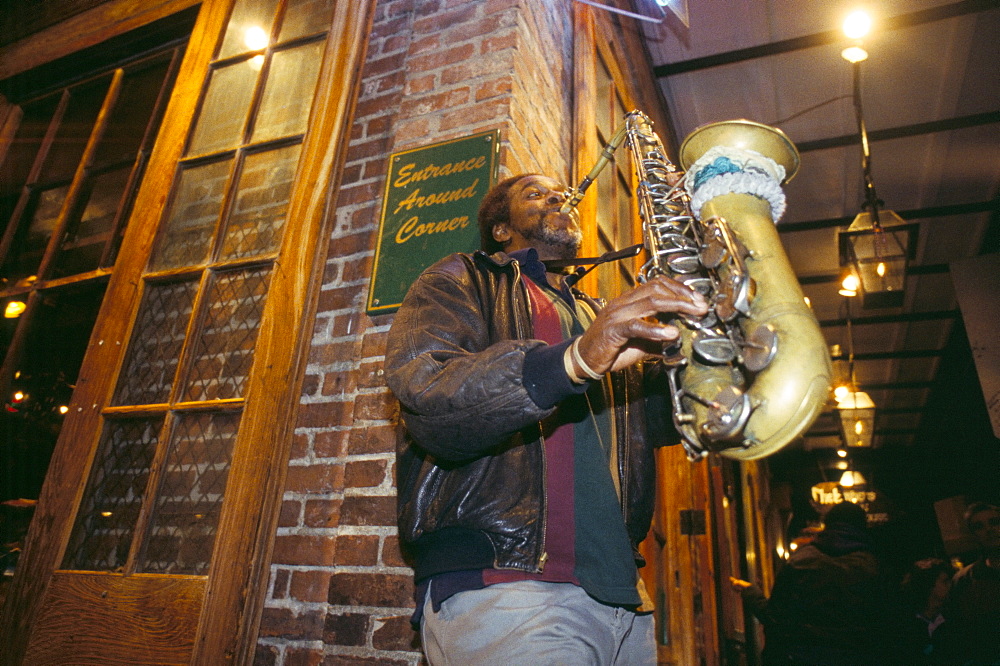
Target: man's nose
x,y
556,197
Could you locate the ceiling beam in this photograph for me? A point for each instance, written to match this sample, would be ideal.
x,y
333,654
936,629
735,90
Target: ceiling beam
x,y
890,355
970,208
917,129
822,38
903,318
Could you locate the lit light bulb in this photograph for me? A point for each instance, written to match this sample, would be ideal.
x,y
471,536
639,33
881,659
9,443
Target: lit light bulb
x,y
880,269
859,427
854,54
842,453
255,38
14,309
18,396
857,24
63,409
841,392
849,285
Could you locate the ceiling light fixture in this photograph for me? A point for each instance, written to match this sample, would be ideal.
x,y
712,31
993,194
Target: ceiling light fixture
x,y
878,243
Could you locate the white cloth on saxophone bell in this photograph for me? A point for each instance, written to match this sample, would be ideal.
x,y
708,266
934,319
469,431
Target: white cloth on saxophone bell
x,y
726,170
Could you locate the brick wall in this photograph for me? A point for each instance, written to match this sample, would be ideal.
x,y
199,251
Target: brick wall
x,y
339,592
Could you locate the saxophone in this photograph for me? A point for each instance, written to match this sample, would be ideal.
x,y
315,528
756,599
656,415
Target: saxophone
x,y
751,375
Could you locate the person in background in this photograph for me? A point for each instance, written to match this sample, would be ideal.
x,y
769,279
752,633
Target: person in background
x,y
526,481
925,633
973,605
828,606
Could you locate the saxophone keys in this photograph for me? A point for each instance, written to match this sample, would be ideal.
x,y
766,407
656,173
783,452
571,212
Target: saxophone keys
x,y
713,348
727,415
761,347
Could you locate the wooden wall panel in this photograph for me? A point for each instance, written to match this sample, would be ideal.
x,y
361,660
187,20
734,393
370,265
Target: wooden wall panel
x,y
112,619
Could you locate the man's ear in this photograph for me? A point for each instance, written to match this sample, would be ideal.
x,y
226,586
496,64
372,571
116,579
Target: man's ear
x,y
501,233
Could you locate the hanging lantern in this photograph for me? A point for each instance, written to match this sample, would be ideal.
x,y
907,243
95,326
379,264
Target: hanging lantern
x,y
856,410
877,252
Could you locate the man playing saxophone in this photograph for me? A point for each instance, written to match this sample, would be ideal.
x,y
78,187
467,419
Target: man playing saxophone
x,y
525,482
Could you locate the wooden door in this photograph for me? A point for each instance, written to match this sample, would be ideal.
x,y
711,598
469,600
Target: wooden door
x,y
153,530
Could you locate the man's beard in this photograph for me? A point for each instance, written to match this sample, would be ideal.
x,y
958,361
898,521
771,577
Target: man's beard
x,y
565,241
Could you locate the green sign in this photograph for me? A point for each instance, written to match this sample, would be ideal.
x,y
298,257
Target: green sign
x,y
432,196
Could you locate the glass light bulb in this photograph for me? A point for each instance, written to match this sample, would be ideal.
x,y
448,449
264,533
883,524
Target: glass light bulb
x,y
857,24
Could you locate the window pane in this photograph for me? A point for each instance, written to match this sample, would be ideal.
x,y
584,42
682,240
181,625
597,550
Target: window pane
x,y
31,239
131,114
224,109
186,514
288,94
605,124
258,214
44,377
249,21
186,235
155,348
224,350
22,153
305,17
85,238
74,131
106,521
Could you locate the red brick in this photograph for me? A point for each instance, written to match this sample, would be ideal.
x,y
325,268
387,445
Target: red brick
x,y
339,383
375,407
426,43
324,414
432,61
360,550
472,115
444,19
345,660
322,512
340,298
309,384
364,474
317,478
335,352
280,587
374,343
300,446
418,106
392,556
495,43
346,629
310,586
290,511
370,374
357,269
384,590
331,443
494,88
283,623
265,655
368,510
420,84
303,550
395,633
300,656
374,439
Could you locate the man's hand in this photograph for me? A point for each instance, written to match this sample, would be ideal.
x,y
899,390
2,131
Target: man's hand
x,y
627,330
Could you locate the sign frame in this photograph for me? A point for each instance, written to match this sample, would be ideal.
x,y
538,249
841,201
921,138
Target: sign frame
x,y
430,205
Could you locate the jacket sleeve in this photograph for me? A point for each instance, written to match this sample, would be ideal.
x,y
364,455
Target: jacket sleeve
x,y
461,393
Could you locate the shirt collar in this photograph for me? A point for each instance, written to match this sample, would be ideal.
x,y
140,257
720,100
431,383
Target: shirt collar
x,y
533,267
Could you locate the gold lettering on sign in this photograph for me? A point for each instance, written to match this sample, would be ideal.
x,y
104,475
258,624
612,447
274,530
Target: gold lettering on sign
x,y
407,175
413,228
415,200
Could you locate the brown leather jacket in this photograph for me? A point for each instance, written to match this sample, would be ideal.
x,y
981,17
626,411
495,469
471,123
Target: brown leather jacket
x,y
471,472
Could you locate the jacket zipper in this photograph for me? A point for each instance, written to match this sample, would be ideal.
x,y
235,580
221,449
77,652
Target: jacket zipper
x,y
521,293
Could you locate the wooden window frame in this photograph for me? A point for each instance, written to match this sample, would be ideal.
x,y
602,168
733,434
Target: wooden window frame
x,y
229,602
